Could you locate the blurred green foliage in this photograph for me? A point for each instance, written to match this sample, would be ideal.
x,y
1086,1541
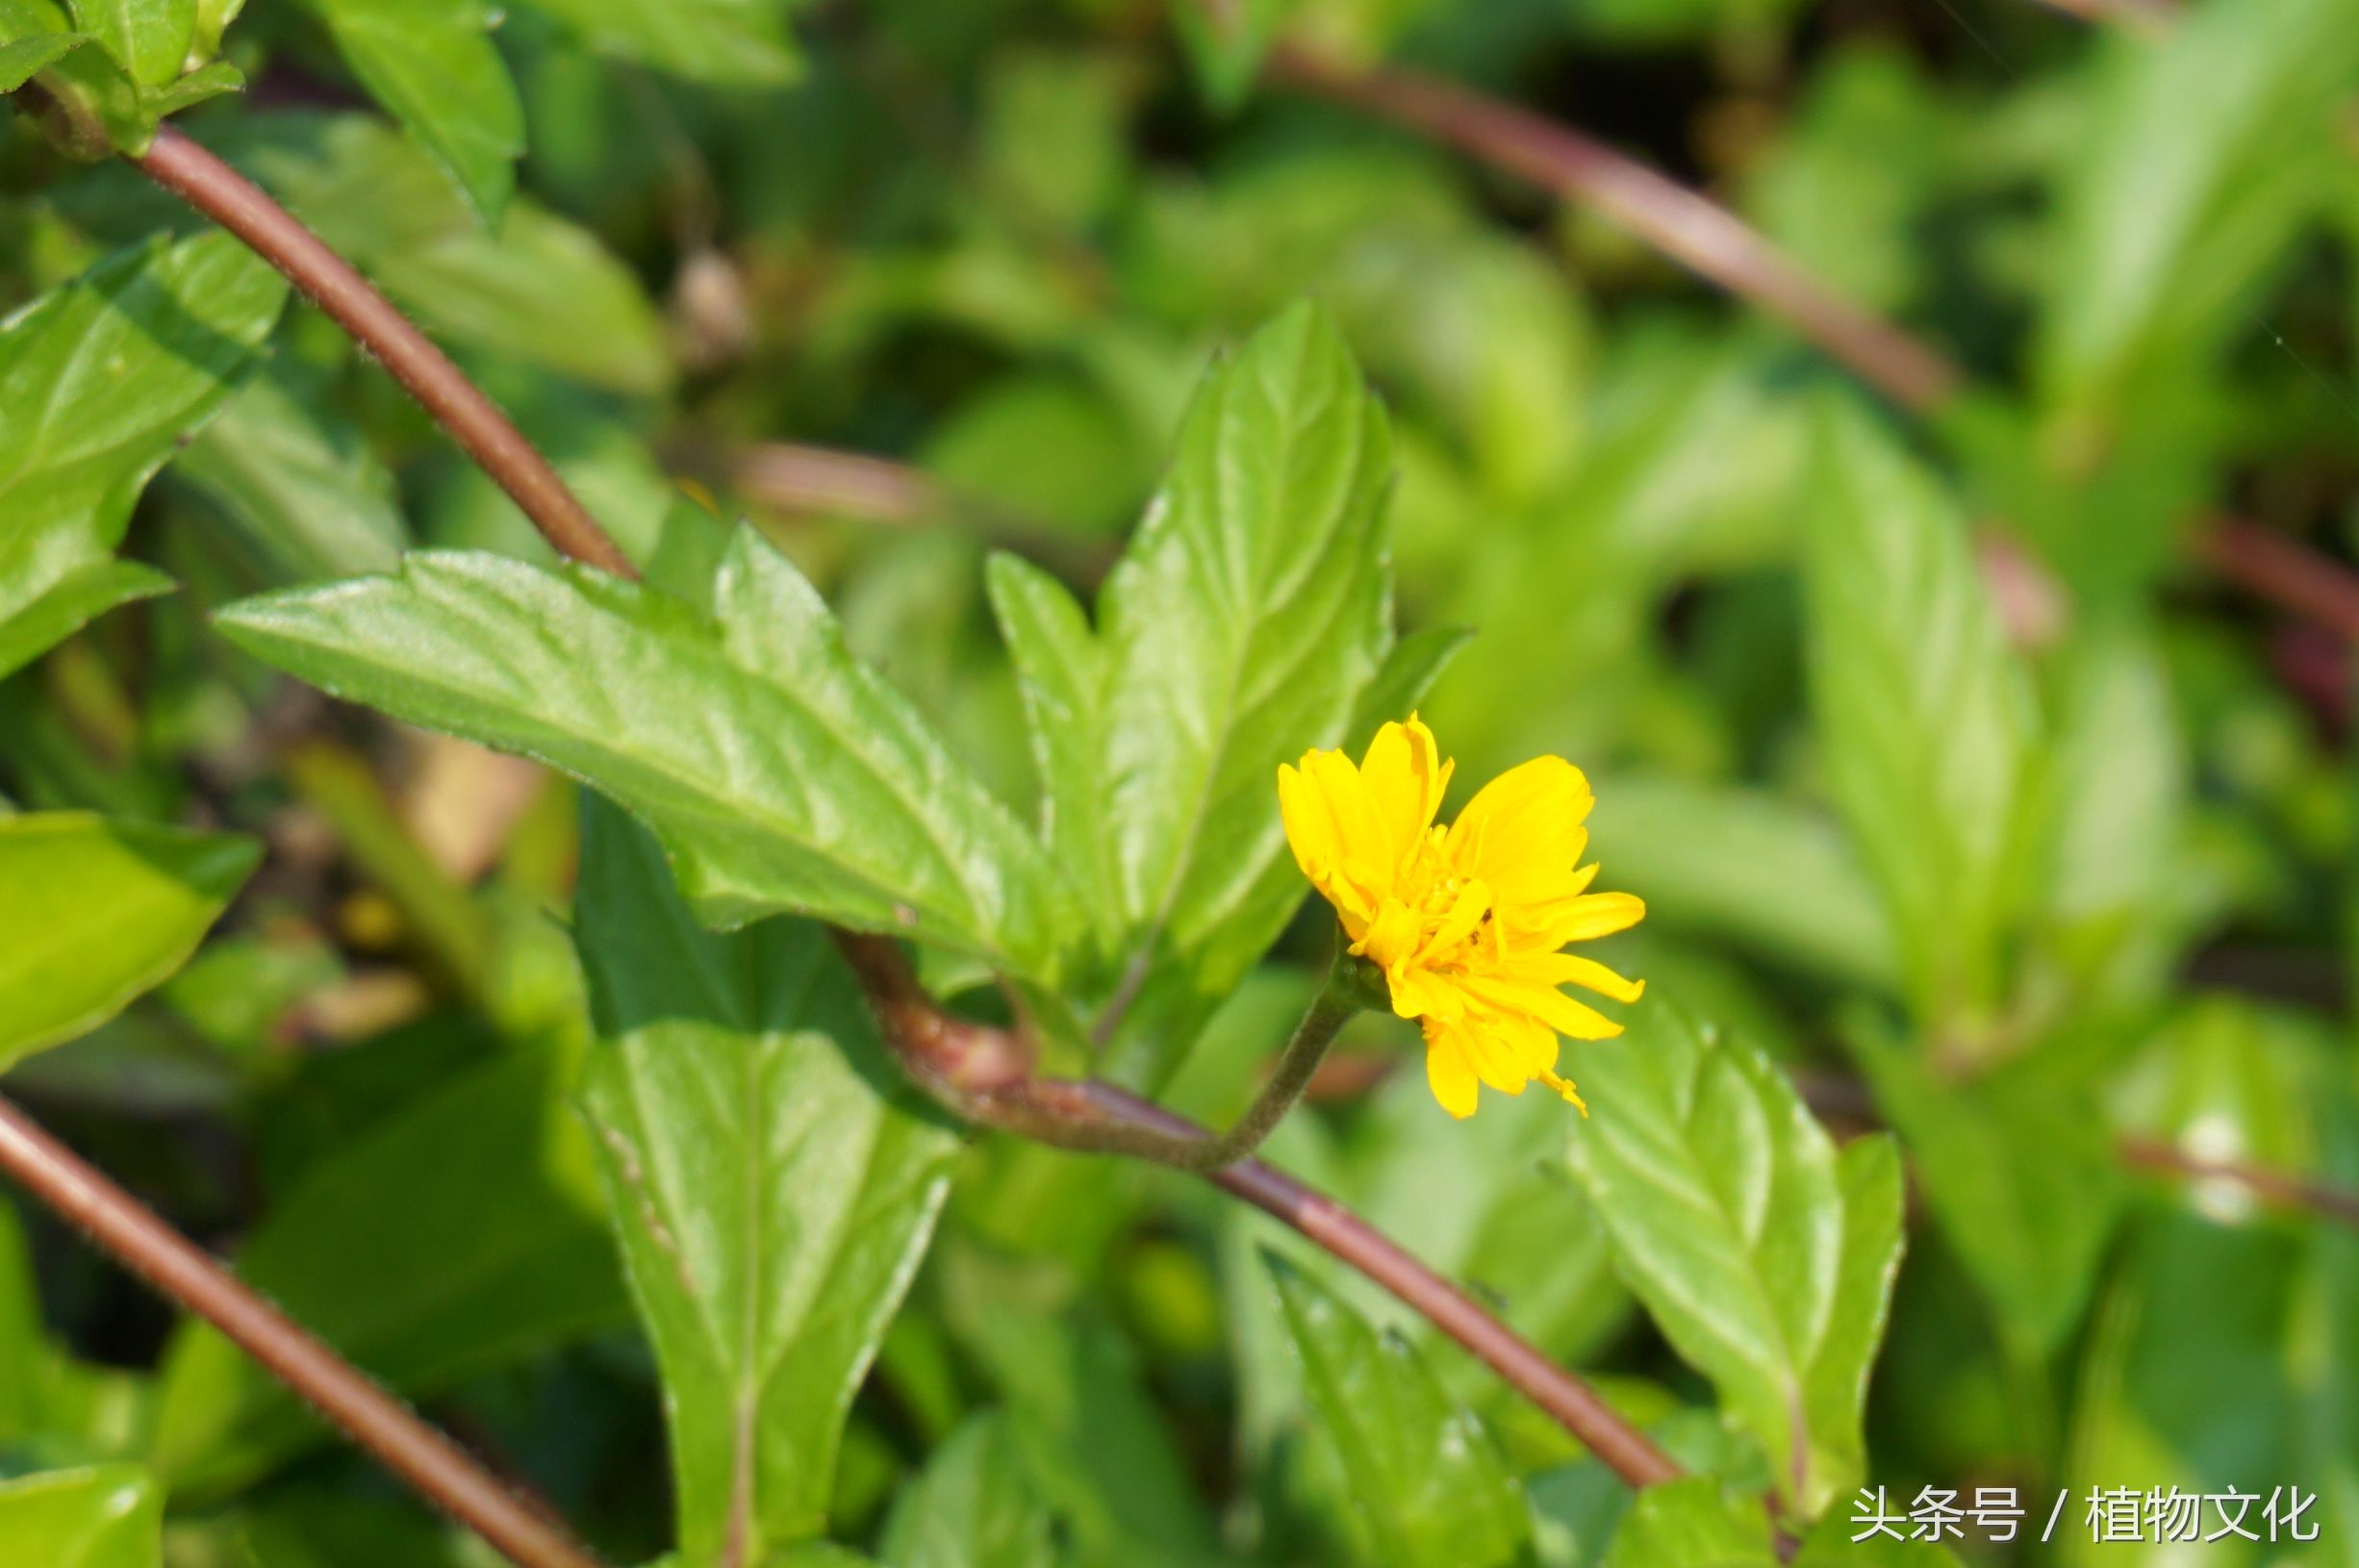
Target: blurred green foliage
x,y
1993,844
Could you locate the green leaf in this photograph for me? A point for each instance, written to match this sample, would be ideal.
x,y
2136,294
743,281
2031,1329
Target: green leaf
x,y
1744,865
205,83
456,1235
781,773
72,602
432,62
2018,1167
2118,899
98,912
1927,717
24,58
22,1344
1432,1485
541,290
1238,631
774,1179
1765,1254
213,19
100,381
973,1506
1061,672
96,108
727,41
300,487
149,39
1693,1522
108,1516
2209,148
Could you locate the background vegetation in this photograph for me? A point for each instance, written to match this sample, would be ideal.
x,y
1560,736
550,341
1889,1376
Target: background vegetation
x,y
1951,615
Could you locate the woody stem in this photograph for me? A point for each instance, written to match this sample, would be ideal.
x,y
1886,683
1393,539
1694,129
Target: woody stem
x,y
1352,985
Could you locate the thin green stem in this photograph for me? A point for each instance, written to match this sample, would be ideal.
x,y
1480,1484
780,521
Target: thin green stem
x,y
1349,989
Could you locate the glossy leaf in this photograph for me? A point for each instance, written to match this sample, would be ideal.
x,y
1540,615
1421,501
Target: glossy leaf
x,y
773,1180
451,1237
1251,609
1432,1486
973,1506
97,912
105,109
99,383
433,65
72,602
1765,1254
22,59
1929,721
782,774
149,39
707,40
110,1516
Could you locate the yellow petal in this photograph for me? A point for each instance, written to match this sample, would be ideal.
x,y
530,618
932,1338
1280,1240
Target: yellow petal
x,y
1450,1076
1359,829
1391,937
1405,779
1522,831
1496,1061
1555,969
1585,919
1551,1006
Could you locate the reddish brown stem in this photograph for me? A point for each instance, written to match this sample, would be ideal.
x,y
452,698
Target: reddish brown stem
x,y
1687,227
1625,1449
2282,1188
475,421
978,1072
1836,1098
800,479
2280,567
379,1422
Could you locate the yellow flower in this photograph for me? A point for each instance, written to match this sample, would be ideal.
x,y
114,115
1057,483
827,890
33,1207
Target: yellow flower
x,y
1466,921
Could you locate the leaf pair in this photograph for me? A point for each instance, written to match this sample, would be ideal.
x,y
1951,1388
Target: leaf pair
x,y
1249,621
146,60
1251,613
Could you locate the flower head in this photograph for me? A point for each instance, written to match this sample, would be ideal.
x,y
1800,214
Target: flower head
x,y
1466,921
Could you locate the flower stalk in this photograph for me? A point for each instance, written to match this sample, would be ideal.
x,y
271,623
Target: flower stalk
x,y
1353,985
